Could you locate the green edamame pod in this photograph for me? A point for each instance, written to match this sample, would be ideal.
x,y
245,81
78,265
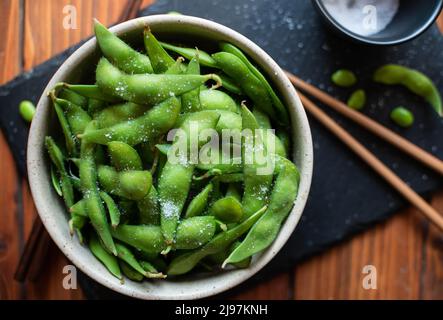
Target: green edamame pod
x,y
285,140
146,238
124,157
58,160
147,266
79,208
177,68
199,202
187,261
114,212
129,272
228,121
69,137
91,91
73,97
127,256
257,184
175,179
231,178
357,99
94,205
189,53
402,116
117,51
269,136
27,110
55,181
160,59
148,127
344,78
129,184
229,84
148,207
95,105
147,89
249,83
217,100
264,232
227,210
77,118
414,80
262,119
233,191
227,47
195,232
119,113
191,99
108,260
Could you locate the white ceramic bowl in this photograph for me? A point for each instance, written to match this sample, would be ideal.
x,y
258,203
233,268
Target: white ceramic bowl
x,y
82,62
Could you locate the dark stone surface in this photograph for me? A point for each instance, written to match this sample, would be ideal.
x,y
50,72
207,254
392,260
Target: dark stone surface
x,y
346,196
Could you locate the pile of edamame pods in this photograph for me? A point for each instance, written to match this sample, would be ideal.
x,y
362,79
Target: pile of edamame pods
x,y
142,215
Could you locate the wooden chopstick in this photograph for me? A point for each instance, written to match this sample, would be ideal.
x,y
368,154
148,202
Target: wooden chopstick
x,y
371,125
35,250
373,162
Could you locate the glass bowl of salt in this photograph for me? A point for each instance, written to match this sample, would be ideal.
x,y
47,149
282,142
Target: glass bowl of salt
x,y
379,22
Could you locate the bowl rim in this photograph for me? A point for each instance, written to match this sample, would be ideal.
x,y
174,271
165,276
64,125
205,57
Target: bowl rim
x,y
36,158
366,40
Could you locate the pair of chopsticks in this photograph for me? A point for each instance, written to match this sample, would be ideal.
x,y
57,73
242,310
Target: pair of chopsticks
x,y
381,131
36,247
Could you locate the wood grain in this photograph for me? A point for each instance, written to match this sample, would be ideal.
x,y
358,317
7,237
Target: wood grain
x,y
406,251
11,231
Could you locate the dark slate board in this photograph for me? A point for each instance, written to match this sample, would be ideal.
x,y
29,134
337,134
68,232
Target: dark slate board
x,y
346,196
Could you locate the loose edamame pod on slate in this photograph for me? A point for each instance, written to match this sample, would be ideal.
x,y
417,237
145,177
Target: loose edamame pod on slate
x,y
94,205
194,232
227,209
249,83
119,53
147,89
187,261
189,53
129,184
148,127
108,260
124,157
119,113
264,232
344,78
402,116
199,202
191,100
357,99
146,238
27,110
160,59
228,47
414,80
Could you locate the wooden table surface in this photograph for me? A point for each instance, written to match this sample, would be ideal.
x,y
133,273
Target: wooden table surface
x,y
406,251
